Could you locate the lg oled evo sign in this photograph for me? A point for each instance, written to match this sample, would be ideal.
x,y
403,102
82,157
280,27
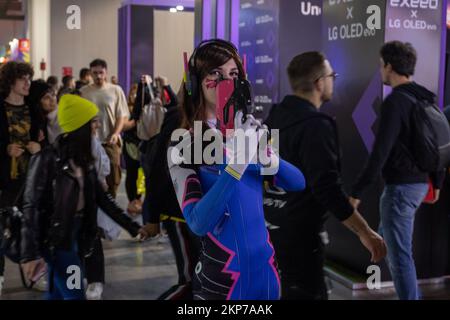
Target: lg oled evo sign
x,y
258,33
352,35
423,23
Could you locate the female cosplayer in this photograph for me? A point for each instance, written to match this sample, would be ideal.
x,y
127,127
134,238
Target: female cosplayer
x,y
223,203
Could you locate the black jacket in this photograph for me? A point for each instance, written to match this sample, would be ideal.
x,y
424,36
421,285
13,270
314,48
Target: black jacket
x,y
160,196
5,160
389,156
50,203
309,140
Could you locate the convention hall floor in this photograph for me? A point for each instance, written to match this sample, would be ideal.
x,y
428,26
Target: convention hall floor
x,y
142,271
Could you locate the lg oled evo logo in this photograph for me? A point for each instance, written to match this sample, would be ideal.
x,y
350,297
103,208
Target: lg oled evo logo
x,y
309,9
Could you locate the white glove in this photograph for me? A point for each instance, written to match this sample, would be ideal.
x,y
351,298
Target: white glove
x,y
239,153
270,160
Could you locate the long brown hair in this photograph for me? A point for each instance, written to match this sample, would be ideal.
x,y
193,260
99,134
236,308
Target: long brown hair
x,y
207,58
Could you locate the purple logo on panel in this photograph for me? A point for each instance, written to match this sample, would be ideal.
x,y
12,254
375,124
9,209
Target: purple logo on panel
x,y
270,79
364,116
271,39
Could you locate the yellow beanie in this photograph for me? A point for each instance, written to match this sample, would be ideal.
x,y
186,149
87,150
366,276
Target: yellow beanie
x,y
74,112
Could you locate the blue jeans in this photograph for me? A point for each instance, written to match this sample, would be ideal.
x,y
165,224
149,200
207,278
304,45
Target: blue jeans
x,y
398,206
61,275
58,268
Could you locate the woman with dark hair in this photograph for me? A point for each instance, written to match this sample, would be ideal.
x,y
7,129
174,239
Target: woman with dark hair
x,y
223,203
43,98
60,203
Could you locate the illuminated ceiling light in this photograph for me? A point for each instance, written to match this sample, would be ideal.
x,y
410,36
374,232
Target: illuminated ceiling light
x,y
173,10
180,8
448,17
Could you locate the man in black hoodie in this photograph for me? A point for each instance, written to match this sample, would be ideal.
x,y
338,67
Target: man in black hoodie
x,y
309,140
406,185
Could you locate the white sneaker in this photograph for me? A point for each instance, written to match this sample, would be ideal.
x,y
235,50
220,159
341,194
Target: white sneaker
x,y
2,280
41,285
94,291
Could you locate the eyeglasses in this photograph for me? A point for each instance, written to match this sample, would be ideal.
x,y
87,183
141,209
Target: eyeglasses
x,y
333,75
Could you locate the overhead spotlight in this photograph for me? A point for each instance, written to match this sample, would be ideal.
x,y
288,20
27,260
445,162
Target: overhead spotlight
x,y
180,8
173,10
448,17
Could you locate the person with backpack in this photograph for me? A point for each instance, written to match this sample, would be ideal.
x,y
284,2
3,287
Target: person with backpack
x,y
394,155
137,143
309,140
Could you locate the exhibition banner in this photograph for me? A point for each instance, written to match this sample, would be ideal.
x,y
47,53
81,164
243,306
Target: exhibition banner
x,y
353,33
258,43
300,30
421,23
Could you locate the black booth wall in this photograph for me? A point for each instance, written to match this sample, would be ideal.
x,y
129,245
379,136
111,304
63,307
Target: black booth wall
x,y
300,30
352,50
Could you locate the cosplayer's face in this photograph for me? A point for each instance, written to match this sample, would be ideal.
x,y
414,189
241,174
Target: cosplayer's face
x,y
227,71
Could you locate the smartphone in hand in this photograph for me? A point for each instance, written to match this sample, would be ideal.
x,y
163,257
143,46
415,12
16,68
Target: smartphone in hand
x,y
225,111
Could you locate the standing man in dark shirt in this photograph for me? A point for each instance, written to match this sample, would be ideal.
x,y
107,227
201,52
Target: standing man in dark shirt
x,y
406,185
309,140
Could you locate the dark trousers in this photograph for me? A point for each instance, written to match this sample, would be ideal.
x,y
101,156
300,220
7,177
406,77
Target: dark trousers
x,y
7,198
186,248
95,264
300,255
132,167
113,180
58,268
65,270
2,265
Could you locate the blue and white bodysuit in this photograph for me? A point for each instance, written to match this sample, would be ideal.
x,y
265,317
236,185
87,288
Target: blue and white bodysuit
x,y
237,259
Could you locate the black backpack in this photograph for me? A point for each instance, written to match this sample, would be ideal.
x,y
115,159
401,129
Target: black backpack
x,y
430,148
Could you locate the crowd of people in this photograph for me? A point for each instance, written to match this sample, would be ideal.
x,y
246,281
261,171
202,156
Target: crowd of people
x,y
61,152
